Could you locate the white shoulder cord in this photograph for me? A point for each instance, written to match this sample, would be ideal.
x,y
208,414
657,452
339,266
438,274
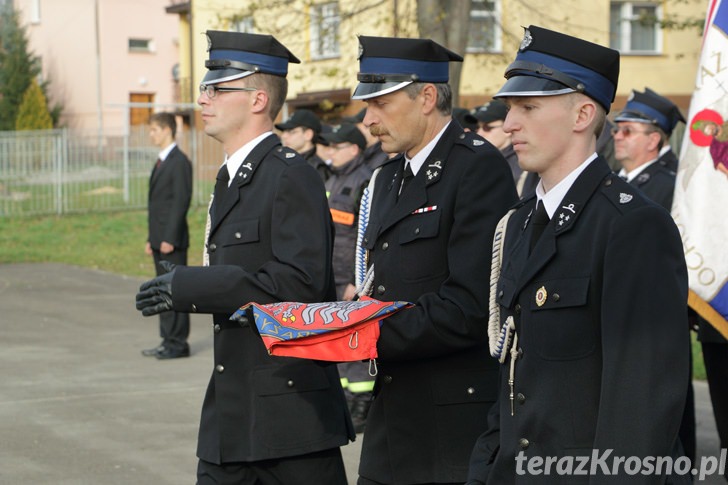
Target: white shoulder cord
x,y
499,337
208,224
364,277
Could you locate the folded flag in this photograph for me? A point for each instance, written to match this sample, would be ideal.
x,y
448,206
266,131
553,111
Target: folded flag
x,y
337,331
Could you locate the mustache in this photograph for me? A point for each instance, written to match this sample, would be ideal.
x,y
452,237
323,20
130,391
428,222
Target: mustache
x,y
377,131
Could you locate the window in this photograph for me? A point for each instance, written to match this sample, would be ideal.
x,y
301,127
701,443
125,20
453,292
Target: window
x,y
35,12
484,32
140,45
244,25
634,27
325,30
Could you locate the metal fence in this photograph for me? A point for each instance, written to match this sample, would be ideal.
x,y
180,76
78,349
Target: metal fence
x,y
60,172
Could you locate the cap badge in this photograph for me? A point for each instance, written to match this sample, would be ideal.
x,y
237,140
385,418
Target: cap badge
x,y
209,42
624,198
527,39
361,52
541,296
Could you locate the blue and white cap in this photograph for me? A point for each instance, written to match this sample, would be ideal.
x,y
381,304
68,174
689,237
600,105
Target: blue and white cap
x,y
234,55
387,64
650,107
550,63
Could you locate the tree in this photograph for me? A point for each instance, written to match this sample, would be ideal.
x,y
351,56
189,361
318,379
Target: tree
x,y
19,67
446,22
33,110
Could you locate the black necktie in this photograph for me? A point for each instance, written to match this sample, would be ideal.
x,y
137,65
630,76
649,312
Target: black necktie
x,y
221,185
539,220
407,177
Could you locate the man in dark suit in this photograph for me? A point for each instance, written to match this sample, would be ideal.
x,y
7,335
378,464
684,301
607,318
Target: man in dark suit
x,y
589,315
641,133
265,420
433,212
170,191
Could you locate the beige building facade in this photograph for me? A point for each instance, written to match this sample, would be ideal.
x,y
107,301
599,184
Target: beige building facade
x,y
323,35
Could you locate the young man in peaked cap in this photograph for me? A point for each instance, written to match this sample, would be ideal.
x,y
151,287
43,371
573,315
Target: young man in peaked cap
x,y
265,420
594,354
433,211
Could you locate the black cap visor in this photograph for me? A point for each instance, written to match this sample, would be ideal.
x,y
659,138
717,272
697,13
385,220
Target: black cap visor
x,y
372,90
532,86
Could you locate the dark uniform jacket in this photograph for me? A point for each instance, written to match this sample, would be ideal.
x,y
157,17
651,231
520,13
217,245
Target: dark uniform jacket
x,y
657,182
436,380
599,311
345,187
318,163
170,191
374,156
270,241
669,160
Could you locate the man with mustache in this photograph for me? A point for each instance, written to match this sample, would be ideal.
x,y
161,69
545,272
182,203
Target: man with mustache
x,y
429,224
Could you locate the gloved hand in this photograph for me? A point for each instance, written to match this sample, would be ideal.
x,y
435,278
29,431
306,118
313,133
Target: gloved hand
x,y
155,296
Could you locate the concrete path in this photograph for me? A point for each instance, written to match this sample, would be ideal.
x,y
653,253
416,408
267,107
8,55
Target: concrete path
x,y
80,405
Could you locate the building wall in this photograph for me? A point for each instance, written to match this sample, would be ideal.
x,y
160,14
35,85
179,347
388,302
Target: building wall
x,y
91,71
671,73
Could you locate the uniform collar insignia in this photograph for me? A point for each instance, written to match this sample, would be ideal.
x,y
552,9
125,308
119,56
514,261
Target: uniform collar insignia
x,y
565,215
625,198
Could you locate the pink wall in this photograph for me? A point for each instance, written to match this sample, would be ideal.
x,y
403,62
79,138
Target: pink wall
x,y
65,39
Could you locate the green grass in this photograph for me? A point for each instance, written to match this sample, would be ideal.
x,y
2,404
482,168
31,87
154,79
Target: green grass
x,y
114,242
109,241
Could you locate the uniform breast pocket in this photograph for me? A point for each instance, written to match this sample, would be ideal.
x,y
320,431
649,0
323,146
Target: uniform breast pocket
x,y
239,233
422,253
563,325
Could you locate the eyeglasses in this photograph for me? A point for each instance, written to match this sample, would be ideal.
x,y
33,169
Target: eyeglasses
x,y
627,131
488,129
211,90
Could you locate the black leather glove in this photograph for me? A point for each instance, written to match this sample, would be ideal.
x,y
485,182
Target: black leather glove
x,y
155,296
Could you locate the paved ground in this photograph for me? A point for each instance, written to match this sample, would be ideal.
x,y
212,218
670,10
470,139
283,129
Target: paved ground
x,y
80,405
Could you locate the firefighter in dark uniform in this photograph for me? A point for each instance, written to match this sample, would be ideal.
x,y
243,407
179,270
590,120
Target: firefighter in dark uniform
x,y
350,176
265,420
643,129
433,210
594,352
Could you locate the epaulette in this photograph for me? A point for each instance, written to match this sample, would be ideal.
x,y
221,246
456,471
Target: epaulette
x,y
471,140
524,201
286,154
624,196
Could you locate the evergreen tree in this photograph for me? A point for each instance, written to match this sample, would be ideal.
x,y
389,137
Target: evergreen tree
x,y
33,111
18,66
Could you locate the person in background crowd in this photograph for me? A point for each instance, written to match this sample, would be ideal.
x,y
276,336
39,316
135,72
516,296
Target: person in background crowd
x,y
373,154
642,130
490,119
465,118
302,132
170,192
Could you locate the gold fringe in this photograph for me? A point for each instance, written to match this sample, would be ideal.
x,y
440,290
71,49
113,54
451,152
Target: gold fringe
x,y
708,313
